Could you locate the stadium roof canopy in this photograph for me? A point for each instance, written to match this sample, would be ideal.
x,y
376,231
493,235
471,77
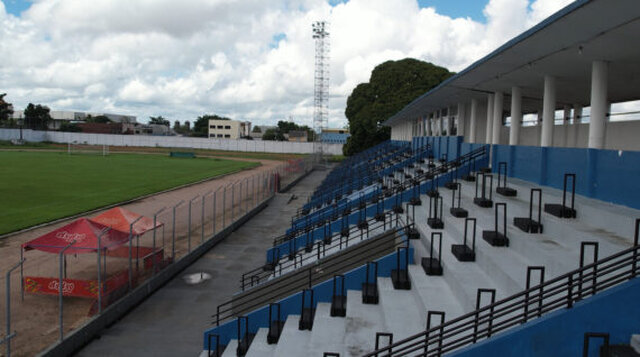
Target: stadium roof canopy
x,y
564,45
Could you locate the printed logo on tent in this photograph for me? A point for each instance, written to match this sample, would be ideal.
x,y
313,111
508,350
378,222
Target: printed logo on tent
x,y
70,237
67,287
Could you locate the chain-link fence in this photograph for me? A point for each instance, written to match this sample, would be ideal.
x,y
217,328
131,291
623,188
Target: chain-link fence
x,y
71,288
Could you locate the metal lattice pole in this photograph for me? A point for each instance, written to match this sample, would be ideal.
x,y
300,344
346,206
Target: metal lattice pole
x,y
321,82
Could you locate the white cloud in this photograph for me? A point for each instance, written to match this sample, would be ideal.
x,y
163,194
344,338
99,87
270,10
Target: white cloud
x,y
181,59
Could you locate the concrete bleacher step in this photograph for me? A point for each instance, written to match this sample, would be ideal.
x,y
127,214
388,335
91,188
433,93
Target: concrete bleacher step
x,y
635,342
259,347
539,249
616,219
293,342
400,309
463,278
611,225
362,323
505,266
231,349
434,293
328,332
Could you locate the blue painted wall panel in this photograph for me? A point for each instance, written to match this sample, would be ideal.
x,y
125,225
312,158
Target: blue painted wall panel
x,y
617,177
561,333
607,175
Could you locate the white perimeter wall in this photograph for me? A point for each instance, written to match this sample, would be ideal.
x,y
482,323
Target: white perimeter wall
x,y
168,141
622,135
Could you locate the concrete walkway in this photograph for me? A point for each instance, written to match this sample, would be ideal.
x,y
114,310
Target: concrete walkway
x,y
172,321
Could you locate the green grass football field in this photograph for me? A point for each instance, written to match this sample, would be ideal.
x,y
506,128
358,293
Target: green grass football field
x,y
37,187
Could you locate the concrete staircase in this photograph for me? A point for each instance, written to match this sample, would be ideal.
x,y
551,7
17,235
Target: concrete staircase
x,y
404,312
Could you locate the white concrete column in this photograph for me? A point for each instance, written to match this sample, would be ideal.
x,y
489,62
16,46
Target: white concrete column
x,y
577,114
427,125
539,117
548,111
566,115
473,120
489,123
461,116
440,123
498,110
433,124
599,105
516,115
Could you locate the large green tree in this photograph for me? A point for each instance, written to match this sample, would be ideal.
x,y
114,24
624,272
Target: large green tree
x,y
284,127
393,85
36,117
102,119
159,120
273,134
6,109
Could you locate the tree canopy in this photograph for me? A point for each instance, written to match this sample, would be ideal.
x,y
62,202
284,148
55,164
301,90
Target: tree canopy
x,y
103,119
6,109
159,120
393,85
36,116
273,134
284,127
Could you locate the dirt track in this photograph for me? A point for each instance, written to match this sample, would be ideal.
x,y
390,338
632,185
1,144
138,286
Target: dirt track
x,y
36,318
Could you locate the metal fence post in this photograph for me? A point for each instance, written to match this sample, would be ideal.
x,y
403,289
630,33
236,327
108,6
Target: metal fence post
x,y
100,270
224,207
60,285
10,335
215,199
246,196
189,224
240,199
21,275
131,251
233,191
202,217
153,250
173,233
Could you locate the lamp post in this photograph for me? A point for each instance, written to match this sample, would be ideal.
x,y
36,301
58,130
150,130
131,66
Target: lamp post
x,y
20,124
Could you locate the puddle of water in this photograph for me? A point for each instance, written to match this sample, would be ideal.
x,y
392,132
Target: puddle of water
x,y
197,278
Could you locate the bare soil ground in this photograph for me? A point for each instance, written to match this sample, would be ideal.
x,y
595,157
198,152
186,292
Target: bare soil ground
x,y
35,319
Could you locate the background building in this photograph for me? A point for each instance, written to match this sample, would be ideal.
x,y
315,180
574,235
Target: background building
x,y
229,129
58,117
335,136
300,136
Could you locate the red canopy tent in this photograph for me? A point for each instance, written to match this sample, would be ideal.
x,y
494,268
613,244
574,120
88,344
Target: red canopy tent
x,y
121,219
84,232
107,233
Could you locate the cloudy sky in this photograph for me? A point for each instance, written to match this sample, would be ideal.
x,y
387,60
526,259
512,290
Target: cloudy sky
x,y
246,59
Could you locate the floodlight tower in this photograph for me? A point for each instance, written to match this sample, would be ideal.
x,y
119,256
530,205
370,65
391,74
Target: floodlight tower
x,y
321,82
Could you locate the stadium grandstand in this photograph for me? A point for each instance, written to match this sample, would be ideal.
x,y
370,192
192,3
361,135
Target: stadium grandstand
x,y
516,235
